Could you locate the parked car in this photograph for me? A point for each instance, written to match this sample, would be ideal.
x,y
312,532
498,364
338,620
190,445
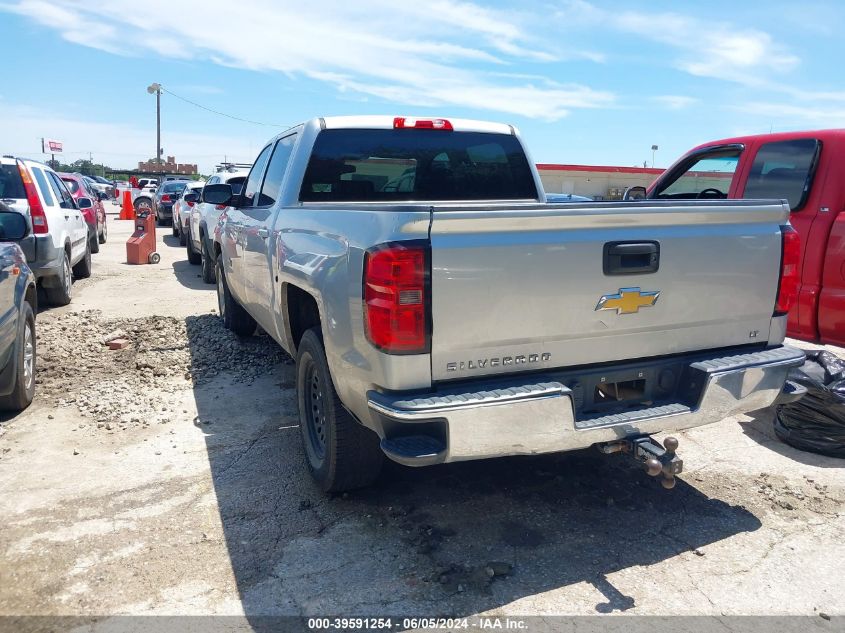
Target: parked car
x,y
144,198
803,168
204,218
57,247
182,209
18,305
463,317
95,217
109,186
165,197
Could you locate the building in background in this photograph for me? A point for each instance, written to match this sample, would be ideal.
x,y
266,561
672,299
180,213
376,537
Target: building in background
x,y
168,167
599,182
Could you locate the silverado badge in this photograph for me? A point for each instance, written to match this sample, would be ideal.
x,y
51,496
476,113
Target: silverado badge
x,y
628,300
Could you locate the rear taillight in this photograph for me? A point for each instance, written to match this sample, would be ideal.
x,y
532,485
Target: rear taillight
x,y
36,209
396,297
165,198
190,204
402,123
790,258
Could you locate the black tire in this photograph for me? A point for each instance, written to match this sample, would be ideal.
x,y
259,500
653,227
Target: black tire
x,y
104,234
209,275
95,244
82,270
62,294
234,317
25,347
174,228
193,257
182,238
341,453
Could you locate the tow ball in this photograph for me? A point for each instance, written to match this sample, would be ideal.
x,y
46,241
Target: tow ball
x,y
658,460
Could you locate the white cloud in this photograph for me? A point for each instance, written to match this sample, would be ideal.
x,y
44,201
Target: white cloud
x,y
791,115
705,47
440,53
675,102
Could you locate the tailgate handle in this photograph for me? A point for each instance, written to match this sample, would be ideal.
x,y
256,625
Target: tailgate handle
x,y
631,258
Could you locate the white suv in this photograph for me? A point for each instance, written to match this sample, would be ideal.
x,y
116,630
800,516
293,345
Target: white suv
x,y
203,220
56,246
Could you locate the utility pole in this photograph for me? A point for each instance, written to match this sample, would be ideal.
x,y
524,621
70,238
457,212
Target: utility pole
x,y
653,149
155,88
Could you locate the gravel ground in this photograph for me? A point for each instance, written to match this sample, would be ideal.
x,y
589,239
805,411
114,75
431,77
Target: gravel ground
x,y
167,478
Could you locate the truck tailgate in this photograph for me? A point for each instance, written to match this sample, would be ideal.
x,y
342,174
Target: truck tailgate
x,y
520,288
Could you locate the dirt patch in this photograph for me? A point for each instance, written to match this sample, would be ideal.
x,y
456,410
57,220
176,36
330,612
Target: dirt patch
x,y
165,356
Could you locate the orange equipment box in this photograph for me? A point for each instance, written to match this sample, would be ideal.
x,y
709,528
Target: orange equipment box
x,y
141,245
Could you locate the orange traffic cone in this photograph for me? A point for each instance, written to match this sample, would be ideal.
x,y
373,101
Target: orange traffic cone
x,y
127,211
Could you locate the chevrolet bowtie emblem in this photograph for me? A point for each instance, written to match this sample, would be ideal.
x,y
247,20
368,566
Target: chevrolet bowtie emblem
x,y
628,300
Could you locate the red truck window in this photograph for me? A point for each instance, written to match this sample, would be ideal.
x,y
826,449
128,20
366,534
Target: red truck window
x,y
783,171
708,176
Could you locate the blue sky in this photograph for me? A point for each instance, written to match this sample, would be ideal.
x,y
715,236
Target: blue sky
x,y
585,82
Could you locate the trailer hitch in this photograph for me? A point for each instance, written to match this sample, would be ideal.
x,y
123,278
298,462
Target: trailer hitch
x,y
658,460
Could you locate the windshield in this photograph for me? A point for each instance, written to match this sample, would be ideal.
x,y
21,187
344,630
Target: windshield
x,y
387,165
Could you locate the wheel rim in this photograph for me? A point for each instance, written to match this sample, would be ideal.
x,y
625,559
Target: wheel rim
x,y
315,414
28,357
221,303
66,276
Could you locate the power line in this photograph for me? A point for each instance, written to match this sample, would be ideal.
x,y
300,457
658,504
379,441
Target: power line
x,y
228,116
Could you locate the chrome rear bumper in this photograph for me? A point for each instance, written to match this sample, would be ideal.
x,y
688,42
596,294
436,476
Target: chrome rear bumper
x,y
523,417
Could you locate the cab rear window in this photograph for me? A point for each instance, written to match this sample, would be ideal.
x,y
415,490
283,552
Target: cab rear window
x,y
783,171
11,185
410,164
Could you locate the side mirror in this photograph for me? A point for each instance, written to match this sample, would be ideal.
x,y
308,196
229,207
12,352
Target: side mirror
x,y
12,225
191,197
217,194
635,193
85,203
102,195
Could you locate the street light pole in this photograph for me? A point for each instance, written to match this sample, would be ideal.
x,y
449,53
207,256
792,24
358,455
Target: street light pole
x,y
653,149
155,88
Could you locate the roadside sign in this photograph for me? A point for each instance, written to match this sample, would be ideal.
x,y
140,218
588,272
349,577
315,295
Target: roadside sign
x,y
49,146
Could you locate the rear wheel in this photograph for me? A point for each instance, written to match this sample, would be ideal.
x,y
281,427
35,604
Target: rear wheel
x,y
341,453
82,270
24,390
61,294
208,273
182,238
234,317
94,244
104,234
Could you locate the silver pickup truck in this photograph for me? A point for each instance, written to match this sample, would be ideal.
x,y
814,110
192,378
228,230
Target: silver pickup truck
x,y
439,310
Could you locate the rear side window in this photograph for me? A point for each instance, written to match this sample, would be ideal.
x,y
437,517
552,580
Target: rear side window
x,y
11,185
63,195
783,171
272,186
411,164
43,187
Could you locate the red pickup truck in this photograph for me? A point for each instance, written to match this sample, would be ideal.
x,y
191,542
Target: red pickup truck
x,y
808,170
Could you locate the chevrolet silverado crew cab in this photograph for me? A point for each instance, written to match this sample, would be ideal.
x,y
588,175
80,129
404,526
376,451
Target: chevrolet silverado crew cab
x,y
803,168
440,309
